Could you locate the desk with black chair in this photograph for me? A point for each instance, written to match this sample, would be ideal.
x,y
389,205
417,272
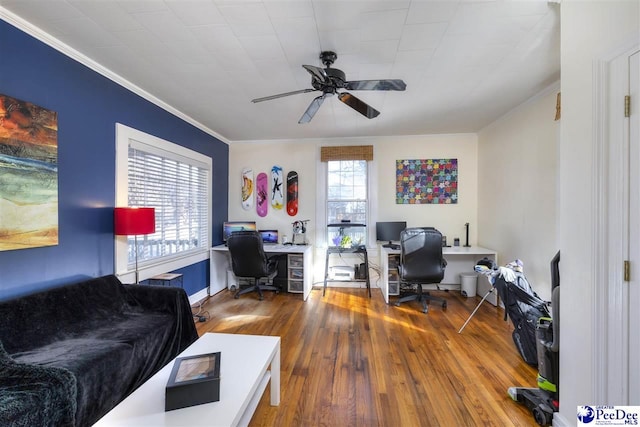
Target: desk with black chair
x,y
249,260
460,259
302,255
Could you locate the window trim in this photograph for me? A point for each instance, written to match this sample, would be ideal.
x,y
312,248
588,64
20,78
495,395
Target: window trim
x,y
321,207
150,268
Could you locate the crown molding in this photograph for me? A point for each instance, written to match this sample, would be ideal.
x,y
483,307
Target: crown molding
x,y
23,25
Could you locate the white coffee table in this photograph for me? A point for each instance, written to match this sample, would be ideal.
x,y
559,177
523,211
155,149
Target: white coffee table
x,y
244,373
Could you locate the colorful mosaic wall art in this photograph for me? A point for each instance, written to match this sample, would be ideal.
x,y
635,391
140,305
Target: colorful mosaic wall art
x,y
427,181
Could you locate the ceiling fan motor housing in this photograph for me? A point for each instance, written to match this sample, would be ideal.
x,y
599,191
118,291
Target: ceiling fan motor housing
x,y
335,80
328,57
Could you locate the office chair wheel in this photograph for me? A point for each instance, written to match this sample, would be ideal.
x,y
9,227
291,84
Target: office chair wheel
x,y
261,297
444,304
236,296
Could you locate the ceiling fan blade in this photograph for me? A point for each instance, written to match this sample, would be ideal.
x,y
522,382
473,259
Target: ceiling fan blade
x,y
358,105
312,109
376,85
318,73
280,95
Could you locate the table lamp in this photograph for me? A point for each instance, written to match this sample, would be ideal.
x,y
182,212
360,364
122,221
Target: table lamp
x,y
134,222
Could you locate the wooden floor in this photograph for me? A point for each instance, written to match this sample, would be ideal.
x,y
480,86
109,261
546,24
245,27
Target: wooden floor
x,y
348,360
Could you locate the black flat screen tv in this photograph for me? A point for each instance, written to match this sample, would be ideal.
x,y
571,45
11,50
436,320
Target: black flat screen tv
x,y
389,231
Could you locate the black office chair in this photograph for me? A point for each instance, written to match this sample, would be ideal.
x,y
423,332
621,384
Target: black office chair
x,y
249,260
421,262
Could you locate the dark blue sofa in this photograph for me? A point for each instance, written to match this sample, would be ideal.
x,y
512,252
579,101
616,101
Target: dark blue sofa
x,y
70,354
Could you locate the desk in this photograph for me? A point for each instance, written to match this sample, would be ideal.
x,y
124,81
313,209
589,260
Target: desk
x,y
459,260
338,250
220,263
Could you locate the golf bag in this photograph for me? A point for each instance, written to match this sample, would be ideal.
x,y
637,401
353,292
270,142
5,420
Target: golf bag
x,y
524,308
543,400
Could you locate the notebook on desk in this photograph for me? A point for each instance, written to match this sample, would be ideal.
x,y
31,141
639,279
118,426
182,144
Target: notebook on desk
x,y
269,236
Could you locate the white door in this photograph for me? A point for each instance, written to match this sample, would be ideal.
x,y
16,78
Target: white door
x,y
634,231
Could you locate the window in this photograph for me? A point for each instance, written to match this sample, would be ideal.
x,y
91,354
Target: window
x,y
176,182
347,198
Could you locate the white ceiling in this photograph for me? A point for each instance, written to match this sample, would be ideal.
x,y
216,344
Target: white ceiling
x,y
466,63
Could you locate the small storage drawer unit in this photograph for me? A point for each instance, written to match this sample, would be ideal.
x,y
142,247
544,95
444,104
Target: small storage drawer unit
x,y
295,274
296,286
394,277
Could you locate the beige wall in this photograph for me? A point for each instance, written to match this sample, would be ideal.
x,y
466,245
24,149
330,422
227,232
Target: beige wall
x,y
517,187
260,157
449,219
303,157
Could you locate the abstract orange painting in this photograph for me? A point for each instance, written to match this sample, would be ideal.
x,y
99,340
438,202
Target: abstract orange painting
x,y
28,175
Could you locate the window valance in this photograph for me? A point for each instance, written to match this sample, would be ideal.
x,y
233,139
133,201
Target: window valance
x,y
346,152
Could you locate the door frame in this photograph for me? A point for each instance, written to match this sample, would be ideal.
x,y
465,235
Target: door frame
x,y
610,231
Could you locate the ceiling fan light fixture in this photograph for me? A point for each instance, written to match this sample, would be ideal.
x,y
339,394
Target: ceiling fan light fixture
x,y
328,80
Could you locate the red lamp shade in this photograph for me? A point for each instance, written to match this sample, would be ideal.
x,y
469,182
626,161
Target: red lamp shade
x,y
135,221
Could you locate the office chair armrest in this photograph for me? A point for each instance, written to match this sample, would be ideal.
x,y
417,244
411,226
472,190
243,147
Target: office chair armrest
x,y
444,263
272,261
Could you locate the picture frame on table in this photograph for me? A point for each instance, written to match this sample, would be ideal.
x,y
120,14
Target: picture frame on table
x,y
194,380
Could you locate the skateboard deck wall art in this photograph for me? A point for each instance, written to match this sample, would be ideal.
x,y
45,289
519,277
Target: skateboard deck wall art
x,y
277,195
292,193
247,188
262,194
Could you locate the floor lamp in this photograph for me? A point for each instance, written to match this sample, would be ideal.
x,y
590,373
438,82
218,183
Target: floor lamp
x,y
135,222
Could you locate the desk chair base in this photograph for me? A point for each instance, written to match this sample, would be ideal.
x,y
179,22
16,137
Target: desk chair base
x,y
256,288
423,297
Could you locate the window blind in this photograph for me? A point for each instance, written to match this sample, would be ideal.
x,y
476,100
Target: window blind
x,y
177,188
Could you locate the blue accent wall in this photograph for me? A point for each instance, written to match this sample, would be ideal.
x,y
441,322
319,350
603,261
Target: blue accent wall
x,y
88,107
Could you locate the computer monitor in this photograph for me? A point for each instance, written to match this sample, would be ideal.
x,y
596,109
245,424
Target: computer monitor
x,y
229,227
269,236
389,231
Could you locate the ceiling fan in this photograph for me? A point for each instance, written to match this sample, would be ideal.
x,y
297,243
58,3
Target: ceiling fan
x,y
328,80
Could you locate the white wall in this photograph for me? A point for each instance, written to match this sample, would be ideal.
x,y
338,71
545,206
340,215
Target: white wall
x,y
517,187
261,157
303,156
449,219
590,31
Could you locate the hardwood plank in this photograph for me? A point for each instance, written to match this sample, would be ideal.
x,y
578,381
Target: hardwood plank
x,y
347,360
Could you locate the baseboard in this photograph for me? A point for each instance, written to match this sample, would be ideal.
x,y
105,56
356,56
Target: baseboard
x,y
199,296
560,421
442,286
